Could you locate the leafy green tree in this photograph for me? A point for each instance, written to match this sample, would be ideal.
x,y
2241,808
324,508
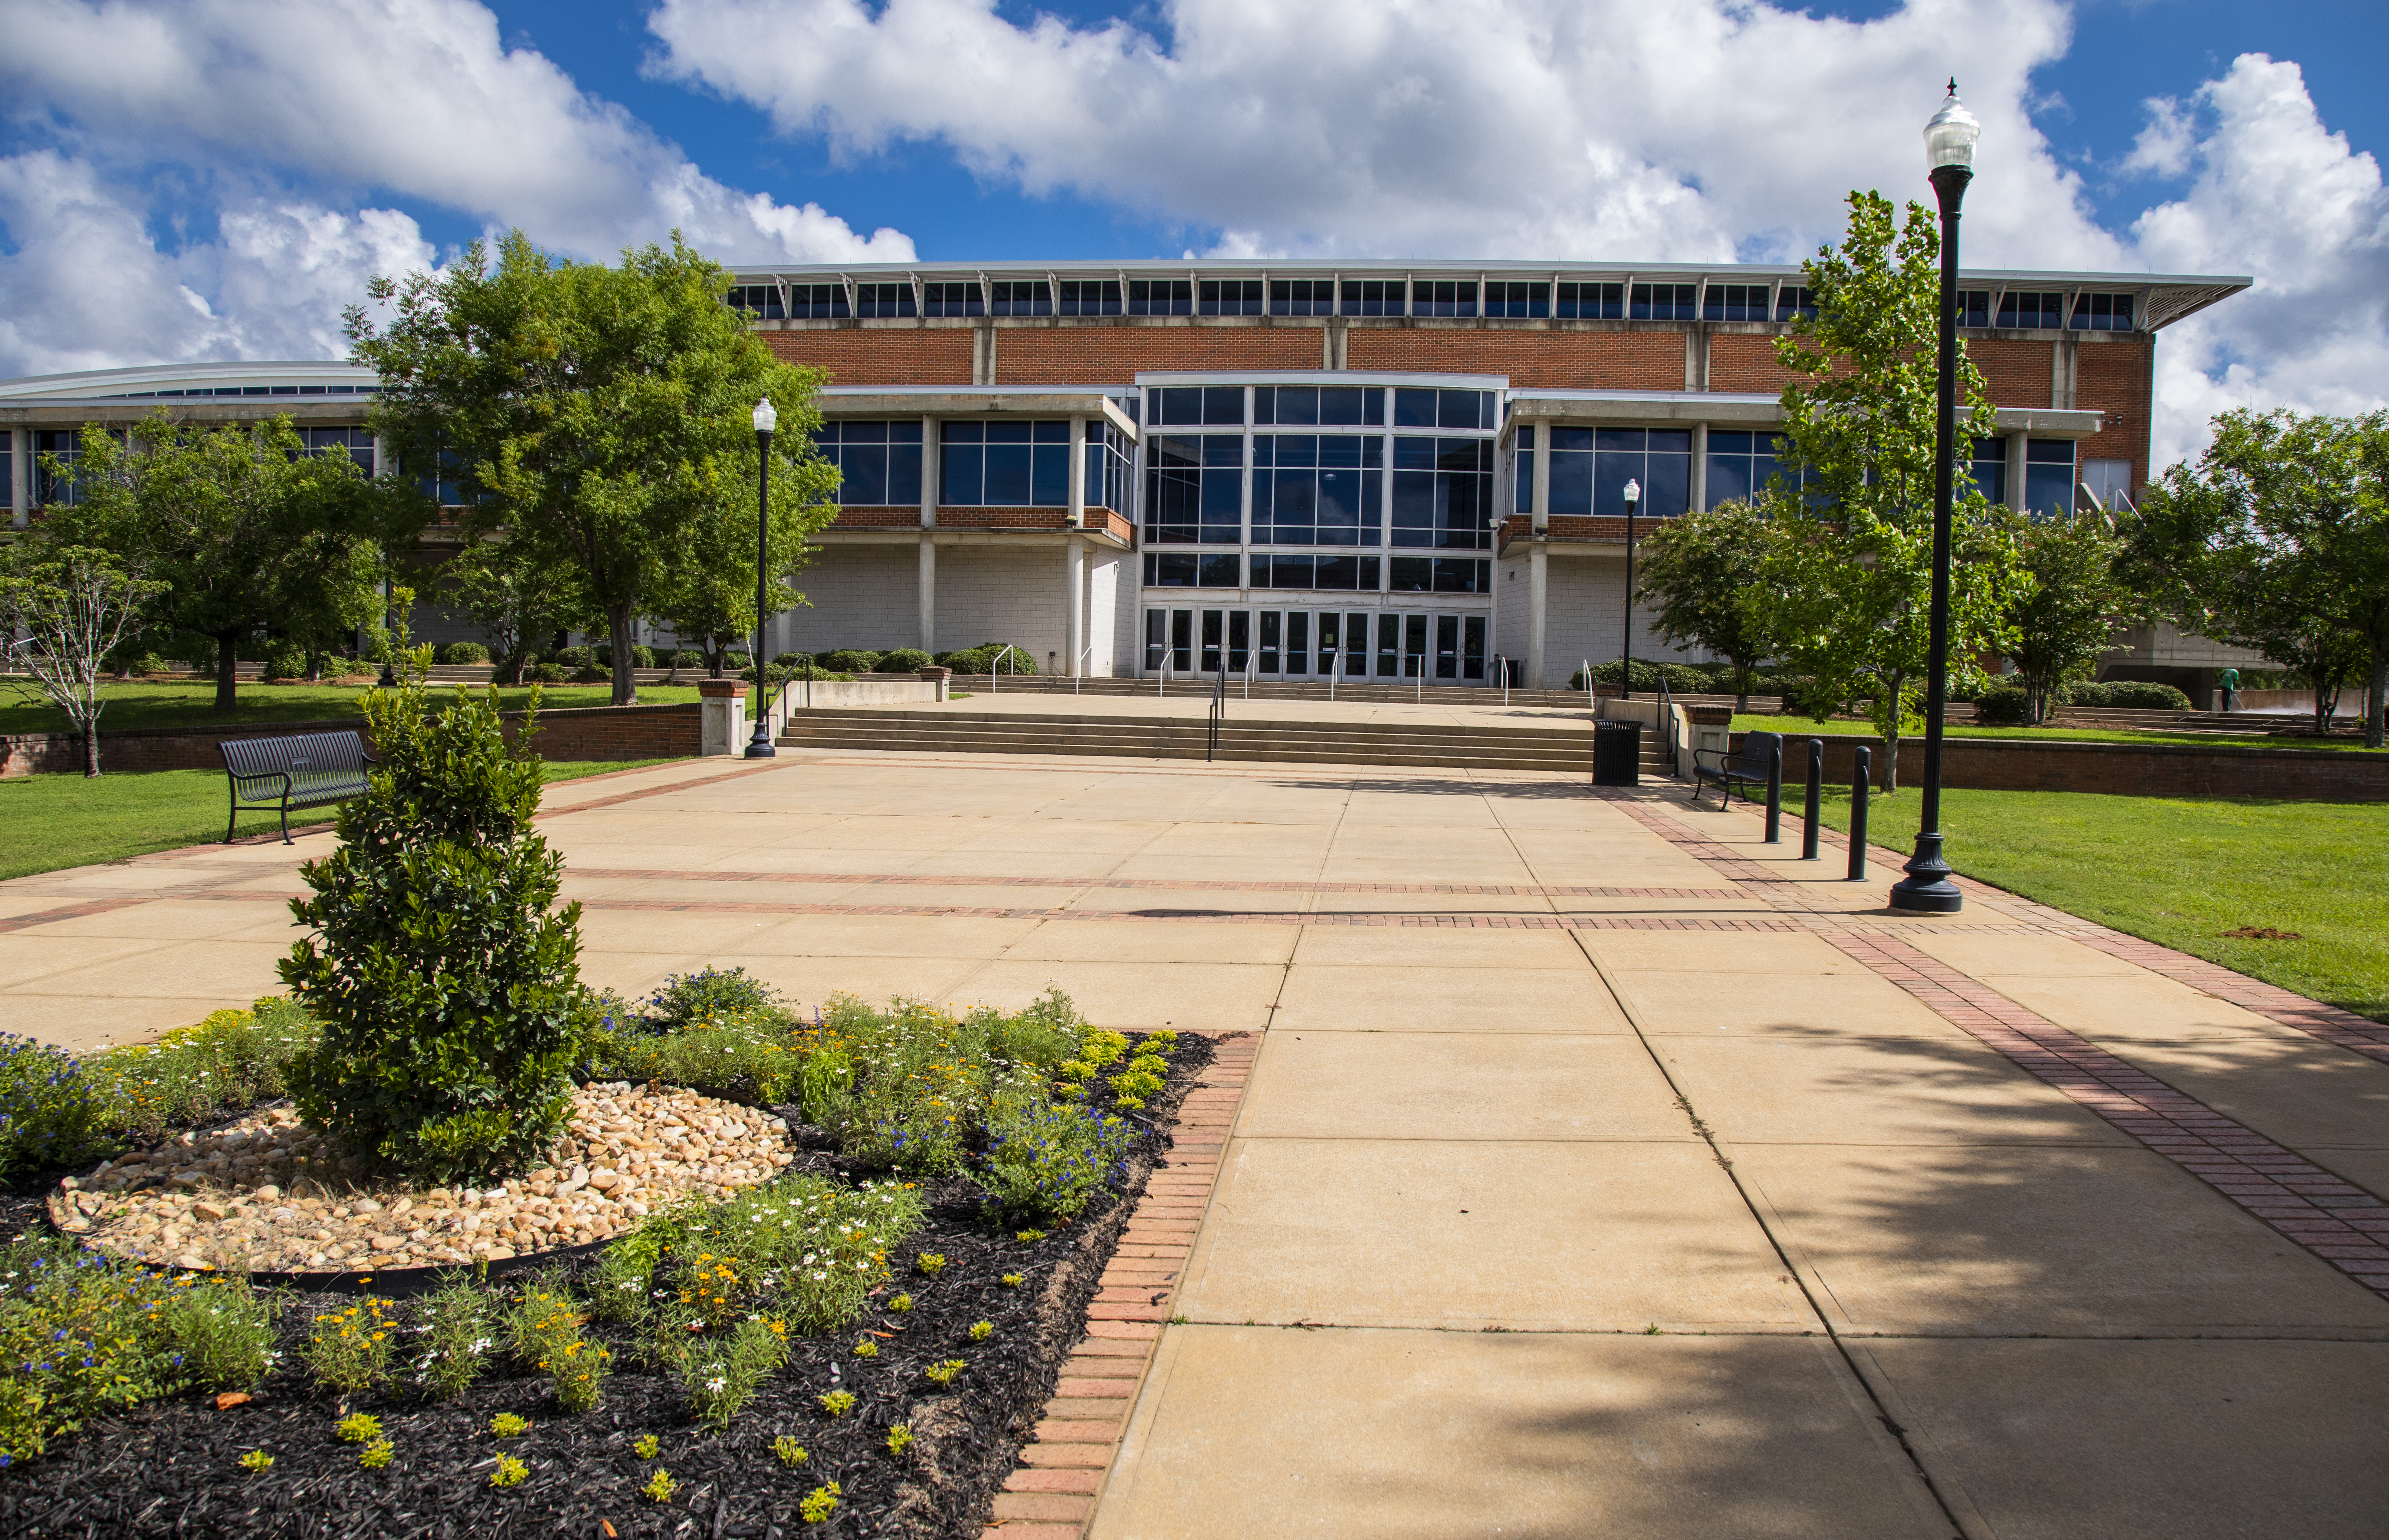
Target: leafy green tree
x,y
2066,612
1696,571
445,973
596,414
1848,588
240,521
512,600
2273,541
707,596
2363,556
74,605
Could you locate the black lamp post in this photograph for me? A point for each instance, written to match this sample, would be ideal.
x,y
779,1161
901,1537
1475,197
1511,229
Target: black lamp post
x,y
1950,152
1626,648
760,746
389,632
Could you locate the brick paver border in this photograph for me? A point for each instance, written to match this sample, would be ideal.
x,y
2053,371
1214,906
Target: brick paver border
x,y
1051,1494
2331,1218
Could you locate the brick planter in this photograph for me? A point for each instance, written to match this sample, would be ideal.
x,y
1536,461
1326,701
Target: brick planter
x,y
575,732
2127,770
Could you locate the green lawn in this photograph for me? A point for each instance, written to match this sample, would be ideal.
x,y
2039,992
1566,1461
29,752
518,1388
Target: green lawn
x,y
192,705
1806,727
50,822
2179,871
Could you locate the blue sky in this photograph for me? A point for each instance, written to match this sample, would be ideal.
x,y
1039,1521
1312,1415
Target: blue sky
x,y
187,179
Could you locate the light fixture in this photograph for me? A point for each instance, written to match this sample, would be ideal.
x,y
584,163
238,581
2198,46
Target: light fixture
x,y
1949,138
1626,650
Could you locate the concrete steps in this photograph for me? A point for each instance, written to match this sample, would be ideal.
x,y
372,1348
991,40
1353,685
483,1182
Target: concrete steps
x,y
1283,740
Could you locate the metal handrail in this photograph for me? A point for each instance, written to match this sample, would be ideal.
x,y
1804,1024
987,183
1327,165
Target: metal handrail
x,y
1666,717
1335,666
1252,656
992,670
1586,667
1219,711
1503,664
1081,672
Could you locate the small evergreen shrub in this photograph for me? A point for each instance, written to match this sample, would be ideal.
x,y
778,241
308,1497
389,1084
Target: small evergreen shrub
x,y
548,673
2004,705
464,651
2127,695
793,660
989,657
446,979
286,661
575,657
904,660
852,660
641,656
687,658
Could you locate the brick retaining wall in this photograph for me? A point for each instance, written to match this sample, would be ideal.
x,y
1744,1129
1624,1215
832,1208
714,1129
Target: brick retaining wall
x,y
2127,770
574,732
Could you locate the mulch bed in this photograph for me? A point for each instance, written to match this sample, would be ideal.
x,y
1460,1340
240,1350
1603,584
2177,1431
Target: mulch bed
x,y
170,1468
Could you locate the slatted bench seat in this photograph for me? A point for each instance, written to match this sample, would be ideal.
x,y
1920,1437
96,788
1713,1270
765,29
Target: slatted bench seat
x,y
306,769
1747,766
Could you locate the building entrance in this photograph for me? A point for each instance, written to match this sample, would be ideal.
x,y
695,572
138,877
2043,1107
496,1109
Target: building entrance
x,y
1388,644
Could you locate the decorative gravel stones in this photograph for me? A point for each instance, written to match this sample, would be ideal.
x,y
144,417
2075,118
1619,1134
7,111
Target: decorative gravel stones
x,y
269,1194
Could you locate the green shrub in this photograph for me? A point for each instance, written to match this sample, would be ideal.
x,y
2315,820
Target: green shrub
x,y
1681,678
223,1334
989,657
2004,705
286,661
349,1350
641,656
687,658
197,653
548,673
448,990
574,658
233,1059
709,992
794,660
2127,695
852,660
49,1113
721,1375
451,1338
1045,1158
904,660
464,651
743,1055
80,1335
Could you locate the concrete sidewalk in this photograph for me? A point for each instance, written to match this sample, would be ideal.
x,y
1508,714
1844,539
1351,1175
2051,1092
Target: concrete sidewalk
x,y
1602,1171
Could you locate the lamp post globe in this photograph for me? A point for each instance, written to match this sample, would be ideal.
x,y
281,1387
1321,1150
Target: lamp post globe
x,y
1626,645
1949,141
759,745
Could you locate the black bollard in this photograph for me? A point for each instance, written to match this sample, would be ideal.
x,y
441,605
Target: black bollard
x,y
1861,770
1775,794
1816,790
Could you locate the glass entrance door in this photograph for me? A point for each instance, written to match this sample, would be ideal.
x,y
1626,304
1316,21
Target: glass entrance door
x,y
1234,626
1169,636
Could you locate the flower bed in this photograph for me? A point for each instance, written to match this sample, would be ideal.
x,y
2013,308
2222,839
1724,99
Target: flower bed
x,y
858,1345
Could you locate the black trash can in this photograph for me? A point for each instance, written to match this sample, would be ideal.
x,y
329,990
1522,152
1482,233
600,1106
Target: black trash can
x,y
1616,753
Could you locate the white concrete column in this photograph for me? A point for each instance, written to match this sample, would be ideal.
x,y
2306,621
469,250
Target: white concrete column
x,y
1077,519
21,473
1539,517
1074,572
2015,470
928,593
1539,567
1700,468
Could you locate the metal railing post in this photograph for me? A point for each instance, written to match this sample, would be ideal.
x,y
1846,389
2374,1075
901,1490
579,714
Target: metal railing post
x,y
1861,771
1775,794
1586,667
1816,791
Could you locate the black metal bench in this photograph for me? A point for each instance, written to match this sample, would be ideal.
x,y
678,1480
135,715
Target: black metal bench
x,y
306,769
1747,766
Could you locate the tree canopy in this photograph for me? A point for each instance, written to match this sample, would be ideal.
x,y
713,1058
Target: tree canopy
x,y
1848,573
596,417
1697,570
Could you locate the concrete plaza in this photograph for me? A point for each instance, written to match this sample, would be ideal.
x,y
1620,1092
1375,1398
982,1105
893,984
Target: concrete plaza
x,y
1603,1171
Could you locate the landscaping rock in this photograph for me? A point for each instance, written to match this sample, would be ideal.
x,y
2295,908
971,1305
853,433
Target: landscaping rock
x,y
218,1199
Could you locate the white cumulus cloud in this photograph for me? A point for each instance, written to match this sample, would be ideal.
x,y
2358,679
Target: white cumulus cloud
x,y
302,131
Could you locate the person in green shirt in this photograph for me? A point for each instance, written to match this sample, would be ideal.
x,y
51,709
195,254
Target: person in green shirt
x,y
2230,682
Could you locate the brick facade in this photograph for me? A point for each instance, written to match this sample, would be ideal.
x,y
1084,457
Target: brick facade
x,y
2124,769
2015,371
1093,353
853,356
574,732
1595,357
2117,377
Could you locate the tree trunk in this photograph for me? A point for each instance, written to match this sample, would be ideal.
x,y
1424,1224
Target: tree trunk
x,y
1891,760
90,749
227,683
626,680
2374,691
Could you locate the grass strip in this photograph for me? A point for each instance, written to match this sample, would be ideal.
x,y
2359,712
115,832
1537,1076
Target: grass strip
x,y
2182,871
48,823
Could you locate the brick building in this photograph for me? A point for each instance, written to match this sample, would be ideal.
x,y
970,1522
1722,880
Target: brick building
x,y
1382,469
